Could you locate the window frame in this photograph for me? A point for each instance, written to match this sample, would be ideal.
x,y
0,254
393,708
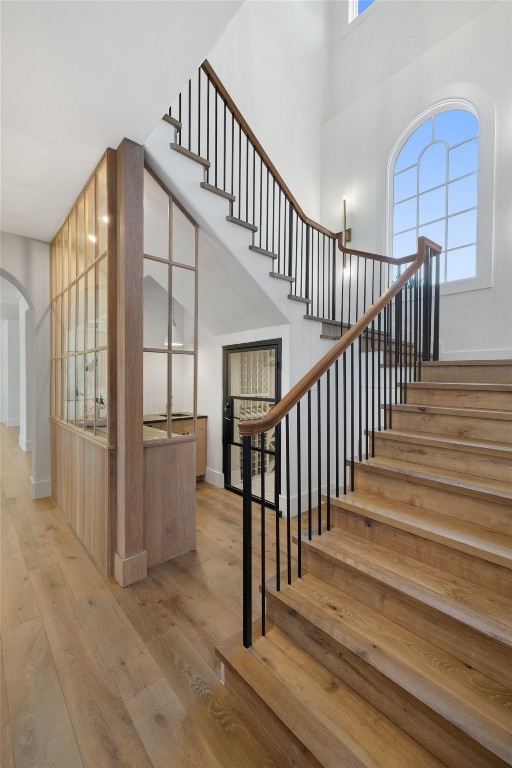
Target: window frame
x,y
353,10
485,191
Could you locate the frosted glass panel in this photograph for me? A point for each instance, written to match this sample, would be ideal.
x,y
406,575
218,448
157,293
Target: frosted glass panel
x,y
182,383
156,304
183,309
183,238
156,218
155,382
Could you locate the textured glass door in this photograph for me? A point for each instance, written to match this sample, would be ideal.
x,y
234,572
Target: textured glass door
x,y
251,389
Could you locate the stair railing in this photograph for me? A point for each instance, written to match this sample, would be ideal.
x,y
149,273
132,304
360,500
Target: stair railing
x,y
210,127
328,430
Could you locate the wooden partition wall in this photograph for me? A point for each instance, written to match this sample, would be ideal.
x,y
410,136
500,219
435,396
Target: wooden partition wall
x,y
83,397
127,489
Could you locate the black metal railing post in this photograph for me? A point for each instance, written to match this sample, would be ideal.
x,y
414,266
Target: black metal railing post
x,y
427,307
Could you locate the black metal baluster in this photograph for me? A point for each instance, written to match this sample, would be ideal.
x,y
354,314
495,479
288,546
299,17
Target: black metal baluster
x,y
262,538
190,114
437,308
239,170
319,455
299,494
247,178
273,212
337,424
247,543
277,489
345,423
310,509
224,159
232,154
215,136
328,448
352,418
254,185
199,112
333,281
290,240
179,118
266,221
288,502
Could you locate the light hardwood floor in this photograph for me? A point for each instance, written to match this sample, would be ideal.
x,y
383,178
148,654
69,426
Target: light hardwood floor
x,y
96,675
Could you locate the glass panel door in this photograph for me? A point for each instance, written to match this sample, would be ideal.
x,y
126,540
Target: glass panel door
x,y
252,386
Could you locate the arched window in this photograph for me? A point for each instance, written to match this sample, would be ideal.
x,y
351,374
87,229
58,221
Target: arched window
x,y
435,191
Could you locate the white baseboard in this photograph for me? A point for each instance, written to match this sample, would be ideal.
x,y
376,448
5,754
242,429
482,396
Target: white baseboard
x,y
214,477
25,445
40,489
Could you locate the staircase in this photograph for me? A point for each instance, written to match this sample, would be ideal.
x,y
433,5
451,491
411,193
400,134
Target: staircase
x,y
395,647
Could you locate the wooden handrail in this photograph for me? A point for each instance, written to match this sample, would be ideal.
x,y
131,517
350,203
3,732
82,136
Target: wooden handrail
x,y
214,78
284,406
208,70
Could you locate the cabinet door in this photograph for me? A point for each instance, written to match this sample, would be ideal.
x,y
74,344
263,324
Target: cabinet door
x,y
201,448
183,426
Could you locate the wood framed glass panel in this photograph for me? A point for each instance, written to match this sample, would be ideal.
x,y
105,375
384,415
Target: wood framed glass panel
x,y
90,213
102,220
80,234
156,304
101,302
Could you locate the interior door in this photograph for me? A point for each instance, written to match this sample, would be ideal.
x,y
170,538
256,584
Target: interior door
x,y
252,386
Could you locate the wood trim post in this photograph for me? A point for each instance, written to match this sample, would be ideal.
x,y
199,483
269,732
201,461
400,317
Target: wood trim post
x,y
130,559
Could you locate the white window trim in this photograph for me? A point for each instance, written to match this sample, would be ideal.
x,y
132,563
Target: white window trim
x,y
485,215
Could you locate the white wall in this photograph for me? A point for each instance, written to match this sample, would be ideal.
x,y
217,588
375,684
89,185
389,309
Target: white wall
x,y
10,379
386,71
272,60
25,263
25,357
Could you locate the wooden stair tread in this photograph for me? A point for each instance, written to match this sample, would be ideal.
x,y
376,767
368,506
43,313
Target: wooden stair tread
x,y
467,537
191,155
336,726
172,121
242,223
263,251
218,191
472,386
503,450
470,700
497,490
464,363
446,410
474,606
302,299
279,276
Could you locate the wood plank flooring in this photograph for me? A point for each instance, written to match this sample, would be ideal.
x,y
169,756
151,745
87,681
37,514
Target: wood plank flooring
x,y
94,675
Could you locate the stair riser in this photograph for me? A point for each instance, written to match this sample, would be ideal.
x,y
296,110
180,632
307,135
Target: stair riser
x,y
470,646
465,566
457,398
284,739
454,426
398,486
476,464
478,374
450,745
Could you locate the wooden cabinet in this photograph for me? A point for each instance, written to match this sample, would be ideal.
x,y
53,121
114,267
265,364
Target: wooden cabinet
x,y
186,427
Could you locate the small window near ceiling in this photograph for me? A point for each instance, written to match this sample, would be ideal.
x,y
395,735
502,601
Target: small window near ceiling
x,y
435,191
357,7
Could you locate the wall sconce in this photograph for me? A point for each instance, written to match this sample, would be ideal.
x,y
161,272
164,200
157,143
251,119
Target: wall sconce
x,y
347,232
